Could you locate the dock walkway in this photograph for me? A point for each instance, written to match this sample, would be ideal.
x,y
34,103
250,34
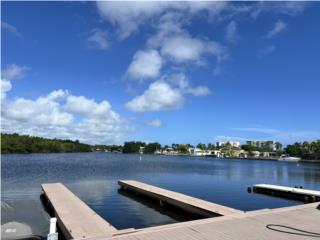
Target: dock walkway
x,y
281,224
179,200
75,218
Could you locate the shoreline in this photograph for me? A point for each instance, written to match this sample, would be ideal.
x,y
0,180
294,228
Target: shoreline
x,y
181,155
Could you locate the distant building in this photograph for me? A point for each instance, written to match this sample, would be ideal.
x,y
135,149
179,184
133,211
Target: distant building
x,y
267,145
232,144
141,150
240,153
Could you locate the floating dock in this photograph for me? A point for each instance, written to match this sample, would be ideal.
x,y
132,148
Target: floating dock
x,y
288,192
75,219
189,204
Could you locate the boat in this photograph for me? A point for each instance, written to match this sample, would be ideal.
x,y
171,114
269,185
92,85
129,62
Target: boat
x,y
287,158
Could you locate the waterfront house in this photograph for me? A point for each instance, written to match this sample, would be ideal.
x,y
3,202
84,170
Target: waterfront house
x,y
170,151
200,152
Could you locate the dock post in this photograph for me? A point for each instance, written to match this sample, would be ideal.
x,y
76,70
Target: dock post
x,y
53,235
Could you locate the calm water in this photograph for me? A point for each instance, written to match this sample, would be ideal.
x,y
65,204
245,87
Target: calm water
x,y
93,177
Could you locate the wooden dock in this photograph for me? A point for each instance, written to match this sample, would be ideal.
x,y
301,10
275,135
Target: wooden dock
x,y
290,223
78,221
288,192
75,218
189,204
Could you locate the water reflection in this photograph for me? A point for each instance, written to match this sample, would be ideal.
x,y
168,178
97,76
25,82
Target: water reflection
x,y
174,213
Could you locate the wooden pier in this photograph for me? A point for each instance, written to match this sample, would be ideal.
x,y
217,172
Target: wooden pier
x,y
75,218
288,192
189,204
78,221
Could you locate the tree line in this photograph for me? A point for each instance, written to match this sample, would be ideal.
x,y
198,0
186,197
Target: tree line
x,y
15,143
305,150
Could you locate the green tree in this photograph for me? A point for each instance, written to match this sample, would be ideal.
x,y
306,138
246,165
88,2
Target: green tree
x,y
152,147
15,143
132,147
201,146
183,148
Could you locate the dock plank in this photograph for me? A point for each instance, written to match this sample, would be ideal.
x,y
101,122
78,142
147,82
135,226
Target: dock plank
x,y
75,218
187,203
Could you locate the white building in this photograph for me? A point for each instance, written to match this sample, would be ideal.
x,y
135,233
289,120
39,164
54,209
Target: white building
x,y
232,144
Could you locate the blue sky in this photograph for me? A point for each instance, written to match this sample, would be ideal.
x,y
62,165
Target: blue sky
x,y
173,72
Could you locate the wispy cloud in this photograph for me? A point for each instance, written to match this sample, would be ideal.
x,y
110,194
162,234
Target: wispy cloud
x,y
266,51
279,27
232,32
98,39
14,71
155,123
12,29
285,136
229,138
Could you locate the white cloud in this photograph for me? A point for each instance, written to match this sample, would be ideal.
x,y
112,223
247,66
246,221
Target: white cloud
x,y
63,115
42,111
14,71
266,50
177,79
82,105
129,16
155,123
165,94
5,87
98,39
12,29
177,44
232,32
145,64
183,48
279,27
182,82
159,96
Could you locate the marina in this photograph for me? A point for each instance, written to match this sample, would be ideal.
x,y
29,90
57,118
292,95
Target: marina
x,y
160,120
